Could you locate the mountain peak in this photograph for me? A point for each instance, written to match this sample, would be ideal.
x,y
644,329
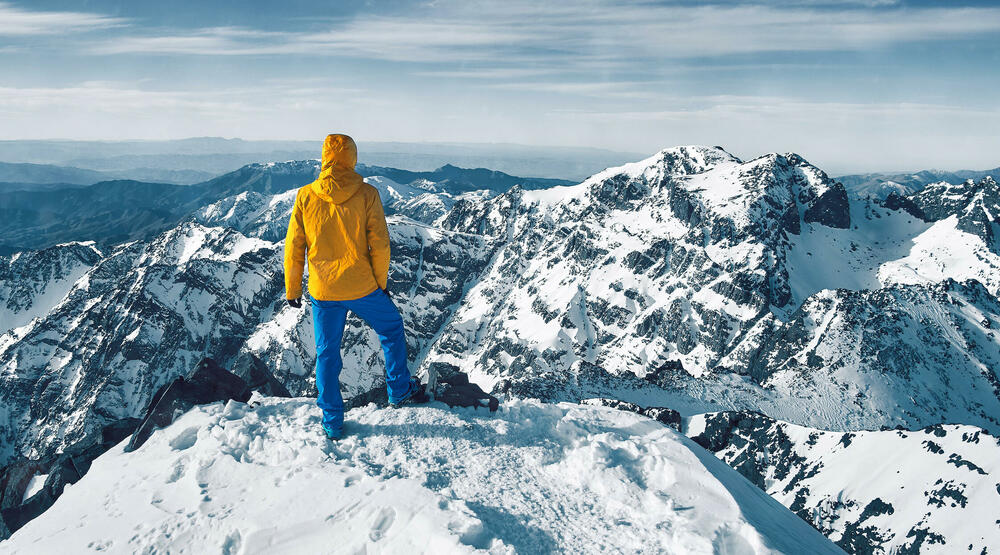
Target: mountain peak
x,y
686,159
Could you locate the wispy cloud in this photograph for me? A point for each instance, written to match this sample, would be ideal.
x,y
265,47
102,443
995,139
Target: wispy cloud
x,y
730,107
591,32
125,98
15,21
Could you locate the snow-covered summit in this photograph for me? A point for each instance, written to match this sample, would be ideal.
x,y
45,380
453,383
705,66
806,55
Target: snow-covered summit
x,y
533,478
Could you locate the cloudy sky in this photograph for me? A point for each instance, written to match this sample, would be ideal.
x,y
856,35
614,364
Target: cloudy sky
x,y
850,85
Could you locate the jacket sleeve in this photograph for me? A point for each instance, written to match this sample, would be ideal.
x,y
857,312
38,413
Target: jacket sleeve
x,y
295,253
378,241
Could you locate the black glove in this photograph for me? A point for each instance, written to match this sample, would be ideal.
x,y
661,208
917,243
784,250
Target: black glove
x,y
295,303
386,291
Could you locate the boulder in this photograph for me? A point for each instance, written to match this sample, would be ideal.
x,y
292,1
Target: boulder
x,y
457,391
254,372
209,382
62,473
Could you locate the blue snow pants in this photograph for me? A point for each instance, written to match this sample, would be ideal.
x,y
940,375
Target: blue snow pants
x,y
329,318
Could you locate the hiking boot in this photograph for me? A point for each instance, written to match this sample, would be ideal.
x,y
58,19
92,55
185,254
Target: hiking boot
x,y
330,433
415,395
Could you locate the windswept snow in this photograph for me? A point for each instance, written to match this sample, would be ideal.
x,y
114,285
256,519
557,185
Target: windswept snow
x,y
531,478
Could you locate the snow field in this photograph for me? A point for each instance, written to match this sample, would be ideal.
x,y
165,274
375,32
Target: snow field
x,y
531,478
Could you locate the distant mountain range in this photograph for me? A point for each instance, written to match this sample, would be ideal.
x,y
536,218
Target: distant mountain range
x,y
175,161
47,177
879,185
112,212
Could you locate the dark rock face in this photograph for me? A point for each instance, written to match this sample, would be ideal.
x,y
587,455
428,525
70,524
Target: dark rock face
x,y
831,208
665,416
207,383
897,202
14,480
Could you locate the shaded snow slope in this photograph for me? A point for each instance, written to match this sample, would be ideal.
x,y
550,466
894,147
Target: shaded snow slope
x,y
533,478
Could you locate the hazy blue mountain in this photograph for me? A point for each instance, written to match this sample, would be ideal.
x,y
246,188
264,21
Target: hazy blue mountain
x,y
217,155
23,176
879,185
28,174
461,180
115,211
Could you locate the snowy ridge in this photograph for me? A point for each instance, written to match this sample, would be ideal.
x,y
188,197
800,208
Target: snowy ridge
x,y
32,283
532,478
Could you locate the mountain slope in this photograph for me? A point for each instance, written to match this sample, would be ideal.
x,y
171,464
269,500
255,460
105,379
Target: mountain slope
x,y
894,491
710,277
40,174
144,313
33,282
462,180
111,212
532,478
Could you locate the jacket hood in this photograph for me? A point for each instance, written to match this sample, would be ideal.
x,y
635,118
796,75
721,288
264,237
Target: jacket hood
x,y
337,181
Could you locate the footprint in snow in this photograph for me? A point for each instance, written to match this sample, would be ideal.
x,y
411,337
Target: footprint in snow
x,y
382,523
185,439
176,472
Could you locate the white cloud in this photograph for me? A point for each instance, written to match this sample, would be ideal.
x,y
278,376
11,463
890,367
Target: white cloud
x,y
19,22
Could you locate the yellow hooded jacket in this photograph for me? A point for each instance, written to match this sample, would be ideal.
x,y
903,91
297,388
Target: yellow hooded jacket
x,y
338,221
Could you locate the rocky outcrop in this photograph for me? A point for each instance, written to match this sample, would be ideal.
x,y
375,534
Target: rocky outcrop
x,y
17,508
255,373
831,208
207,383
663,415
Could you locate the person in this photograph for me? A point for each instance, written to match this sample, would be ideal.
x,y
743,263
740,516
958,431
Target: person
x,y
338,223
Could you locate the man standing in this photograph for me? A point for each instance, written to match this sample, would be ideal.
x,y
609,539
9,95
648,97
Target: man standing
x,y
338,223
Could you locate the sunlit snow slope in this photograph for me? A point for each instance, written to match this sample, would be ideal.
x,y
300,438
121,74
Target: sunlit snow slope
x,y
531,478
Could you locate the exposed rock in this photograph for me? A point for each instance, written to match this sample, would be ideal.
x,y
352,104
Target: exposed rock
x,y
897,202
831,209
14,480
254,372
60,470
456,391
